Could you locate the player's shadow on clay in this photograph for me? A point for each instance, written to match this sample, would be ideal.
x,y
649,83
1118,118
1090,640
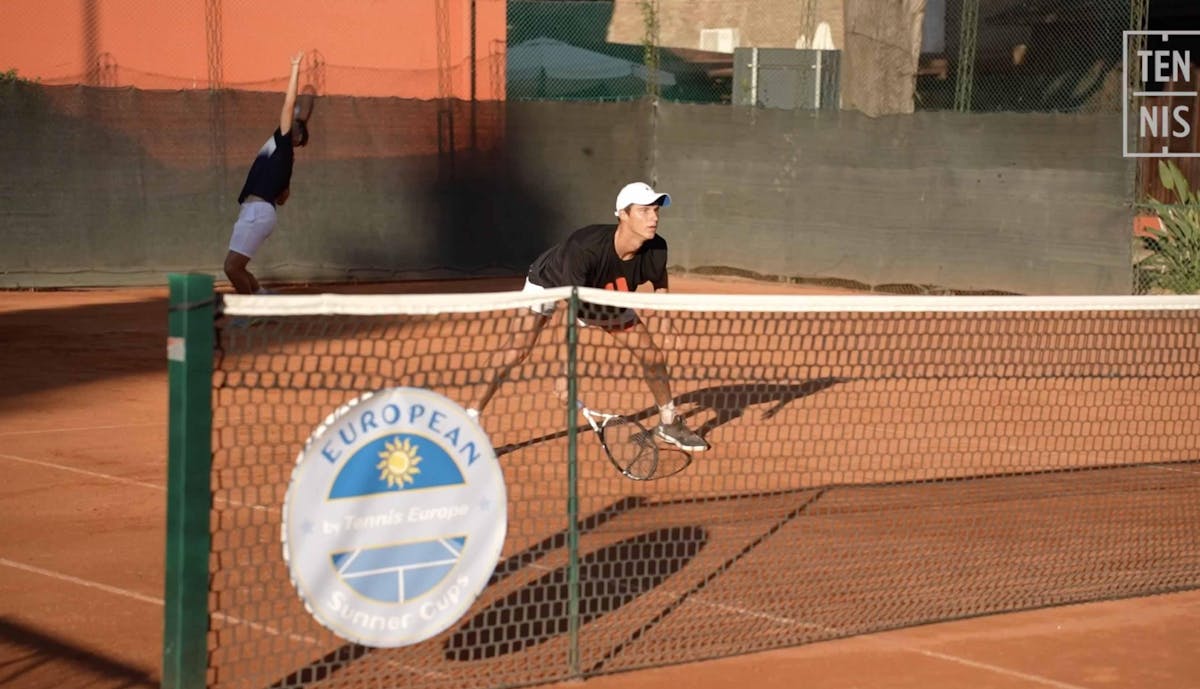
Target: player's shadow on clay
x,y
539,611
725,403
608,579
730,402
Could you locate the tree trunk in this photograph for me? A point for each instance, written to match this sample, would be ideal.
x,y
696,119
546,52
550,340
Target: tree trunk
x,y
879,63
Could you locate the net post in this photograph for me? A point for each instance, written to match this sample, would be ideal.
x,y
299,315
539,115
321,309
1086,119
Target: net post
x,y
189,441
573,661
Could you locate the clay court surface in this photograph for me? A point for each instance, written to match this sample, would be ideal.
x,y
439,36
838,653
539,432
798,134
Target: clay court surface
x,y
83,404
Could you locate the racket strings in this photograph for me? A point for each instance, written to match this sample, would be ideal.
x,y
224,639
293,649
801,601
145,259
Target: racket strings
x,y
630,447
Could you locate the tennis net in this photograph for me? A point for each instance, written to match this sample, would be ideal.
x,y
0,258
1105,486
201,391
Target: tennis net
x,y
875,462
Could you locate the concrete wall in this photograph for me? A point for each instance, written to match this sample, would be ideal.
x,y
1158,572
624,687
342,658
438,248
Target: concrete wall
x,y
1026,203
106,186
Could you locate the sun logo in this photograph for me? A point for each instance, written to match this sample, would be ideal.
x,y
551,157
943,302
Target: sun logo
x,y
398,463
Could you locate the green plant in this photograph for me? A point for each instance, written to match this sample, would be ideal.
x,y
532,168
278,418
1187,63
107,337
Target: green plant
x,y
1173,263
11,77
650,45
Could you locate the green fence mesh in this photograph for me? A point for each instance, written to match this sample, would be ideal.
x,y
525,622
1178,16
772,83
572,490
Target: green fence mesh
x,y
995,55
562,50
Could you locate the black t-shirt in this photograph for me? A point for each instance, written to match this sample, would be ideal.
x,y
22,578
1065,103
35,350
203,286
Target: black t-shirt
x,y
271,172
587,258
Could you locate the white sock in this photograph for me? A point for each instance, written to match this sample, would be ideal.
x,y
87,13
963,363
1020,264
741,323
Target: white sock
x,y
666,413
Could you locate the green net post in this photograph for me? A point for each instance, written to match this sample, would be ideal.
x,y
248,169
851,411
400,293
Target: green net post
x,y
572,489
189,372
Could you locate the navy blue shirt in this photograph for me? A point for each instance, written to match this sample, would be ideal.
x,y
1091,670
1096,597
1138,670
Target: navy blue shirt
x,y
271,172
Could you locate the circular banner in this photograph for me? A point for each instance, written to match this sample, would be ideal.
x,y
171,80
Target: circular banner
x,y
394,518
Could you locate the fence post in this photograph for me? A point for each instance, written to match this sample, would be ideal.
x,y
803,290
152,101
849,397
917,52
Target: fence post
x,y
573,660
964,72
189,497
650,46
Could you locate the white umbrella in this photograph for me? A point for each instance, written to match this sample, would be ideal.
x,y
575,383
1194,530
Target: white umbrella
x,y
557,67
823,38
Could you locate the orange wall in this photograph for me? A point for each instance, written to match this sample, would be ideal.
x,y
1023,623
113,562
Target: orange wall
x,y
367,47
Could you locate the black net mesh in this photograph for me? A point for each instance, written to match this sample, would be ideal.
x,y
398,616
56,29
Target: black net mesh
x,y
867,470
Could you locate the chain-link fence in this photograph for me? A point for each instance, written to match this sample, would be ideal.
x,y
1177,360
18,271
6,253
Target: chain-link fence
x,y
1005,55
975,55
424,50
604,51
1027,55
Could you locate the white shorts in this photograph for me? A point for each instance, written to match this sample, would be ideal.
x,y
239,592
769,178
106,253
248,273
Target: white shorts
x,y
255,223
618,320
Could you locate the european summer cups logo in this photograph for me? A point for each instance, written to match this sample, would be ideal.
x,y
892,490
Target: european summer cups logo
x,y
394,518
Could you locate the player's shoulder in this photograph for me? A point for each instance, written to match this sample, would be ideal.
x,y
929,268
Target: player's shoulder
x,y
591,236
595,230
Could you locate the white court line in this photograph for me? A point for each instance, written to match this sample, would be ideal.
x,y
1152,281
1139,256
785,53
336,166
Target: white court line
x,y
257,626
1192,469
84,472
81,582
785,620
126,481
876,639
81,428
393,568
272,631
977,665
896,645
350,560
125,593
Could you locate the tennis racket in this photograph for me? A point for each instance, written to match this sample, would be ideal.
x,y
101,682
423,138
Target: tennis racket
x,y
305,101
629,445
302,111
632,448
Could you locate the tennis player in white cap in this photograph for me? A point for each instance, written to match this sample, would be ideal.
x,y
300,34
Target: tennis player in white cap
x,y
614,257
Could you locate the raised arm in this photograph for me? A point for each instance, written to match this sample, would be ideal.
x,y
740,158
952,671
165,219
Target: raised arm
x,y
289,101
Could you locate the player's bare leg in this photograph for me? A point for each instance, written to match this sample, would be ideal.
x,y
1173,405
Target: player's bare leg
x,y
520,343
671,427
241,278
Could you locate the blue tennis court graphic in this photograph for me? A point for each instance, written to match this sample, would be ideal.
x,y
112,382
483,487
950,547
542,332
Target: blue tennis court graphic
x,y
399,573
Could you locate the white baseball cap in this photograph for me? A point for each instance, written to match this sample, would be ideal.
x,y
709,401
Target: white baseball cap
x,y
641,194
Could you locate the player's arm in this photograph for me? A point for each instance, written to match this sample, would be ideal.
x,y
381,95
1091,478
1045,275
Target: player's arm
x,y
289,100
661,284
661,280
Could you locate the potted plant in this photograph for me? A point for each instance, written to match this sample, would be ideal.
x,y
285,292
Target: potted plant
x,y
1173,261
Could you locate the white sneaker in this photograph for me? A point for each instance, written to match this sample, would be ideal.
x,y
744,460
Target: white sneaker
x,y
678,434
